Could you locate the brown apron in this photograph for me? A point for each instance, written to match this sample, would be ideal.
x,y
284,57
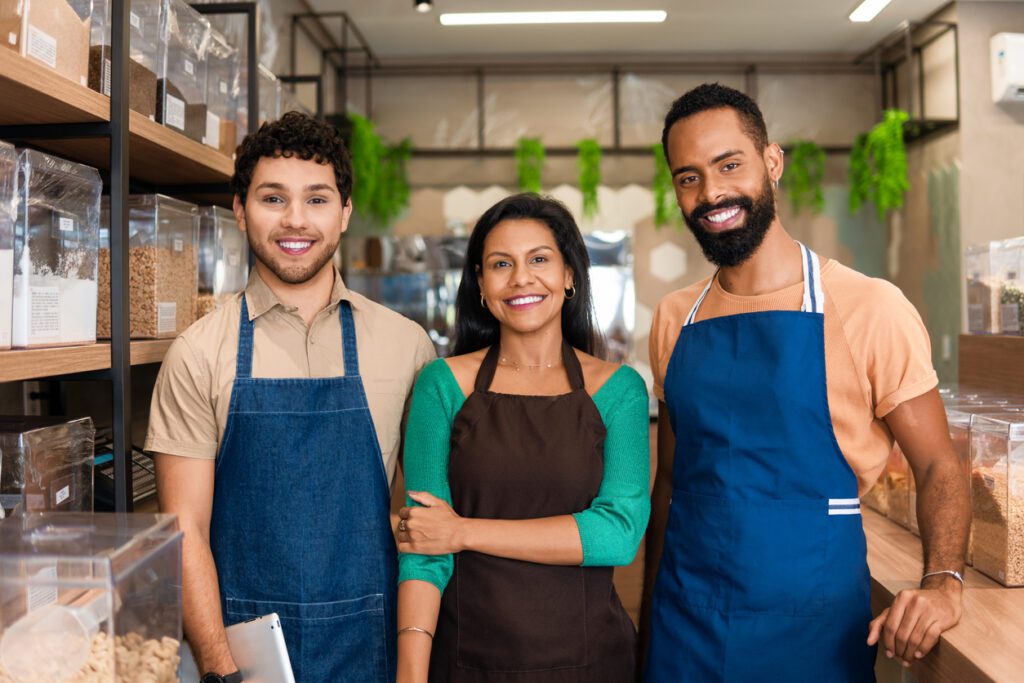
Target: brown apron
x,y
526,457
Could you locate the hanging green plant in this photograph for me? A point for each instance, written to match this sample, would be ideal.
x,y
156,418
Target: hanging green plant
x,y
588,161
665,209
365,147
878,169
392,192
529,161
380,187
804,175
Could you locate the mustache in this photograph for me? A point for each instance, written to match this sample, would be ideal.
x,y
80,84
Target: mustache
x,y
704,208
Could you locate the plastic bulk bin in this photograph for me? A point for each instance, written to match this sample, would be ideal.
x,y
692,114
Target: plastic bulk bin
x,y
47,463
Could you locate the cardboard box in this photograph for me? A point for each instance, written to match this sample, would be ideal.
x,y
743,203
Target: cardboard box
x,y
48,32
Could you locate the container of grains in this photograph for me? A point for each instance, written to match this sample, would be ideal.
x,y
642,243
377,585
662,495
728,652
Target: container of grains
x,y
1009,267
997,496
47,463
982,293
54,33
90,598
221,93
163,264
223,258
56,236
8,214
269,95
181,97
144,40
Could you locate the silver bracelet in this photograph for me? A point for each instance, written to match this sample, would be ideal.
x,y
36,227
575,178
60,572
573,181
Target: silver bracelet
x,y
416,629
955,575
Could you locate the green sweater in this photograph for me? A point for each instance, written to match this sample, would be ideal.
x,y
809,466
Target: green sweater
x,y
610,529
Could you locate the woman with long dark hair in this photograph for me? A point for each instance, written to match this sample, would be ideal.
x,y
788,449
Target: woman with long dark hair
x,y
527,470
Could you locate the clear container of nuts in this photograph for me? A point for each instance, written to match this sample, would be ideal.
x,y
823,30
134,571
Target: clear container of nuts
x,y
47,463
221,93
997,496
8,214
181,97
1009,266
163,267
982,293
55,241
223,258
90,598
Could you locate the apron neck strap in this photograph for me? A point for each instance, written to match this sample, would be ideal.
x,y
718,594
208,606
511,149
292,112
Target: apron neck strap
x,y
243,364
573,369
814,295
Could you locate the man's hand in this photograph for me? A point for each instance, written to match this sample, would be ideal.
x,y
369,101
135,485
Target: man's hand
x,y
434,529
911,627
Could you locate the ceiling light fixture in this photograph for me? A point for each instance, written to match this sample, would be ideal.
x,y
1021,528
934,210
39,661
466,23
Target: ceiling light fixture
x,y
868,10
592,17
422,5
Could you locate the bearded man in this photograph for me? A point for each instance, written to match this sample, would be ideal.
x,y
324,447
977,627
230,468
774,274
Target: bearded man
x,y
783,379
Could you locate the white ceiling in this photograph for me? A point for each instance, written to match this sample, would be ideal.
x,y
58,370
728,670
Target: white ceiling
x,y
714,27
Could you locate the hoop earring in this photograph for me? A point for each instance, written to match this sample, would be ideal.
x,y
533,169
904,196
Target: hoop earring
x,y
482,302
569,296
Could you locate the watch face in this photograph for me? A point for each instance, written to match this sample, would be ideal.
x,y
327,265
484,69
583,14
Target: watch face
x,y
212,678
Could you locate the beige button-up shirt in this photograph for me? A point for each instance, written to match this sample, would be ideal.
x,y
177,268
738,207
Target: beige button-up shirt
x,y
189,411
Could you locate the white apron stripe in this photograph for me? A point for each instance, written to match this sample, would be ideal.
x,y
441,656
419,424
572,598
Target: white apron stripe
x,y
844,511
844,501
805,258
700,300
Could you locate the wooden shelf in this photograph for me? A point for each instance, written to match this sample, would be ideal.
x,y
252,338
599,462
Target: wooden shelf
x,y
27,364
992,362
158,155
984,646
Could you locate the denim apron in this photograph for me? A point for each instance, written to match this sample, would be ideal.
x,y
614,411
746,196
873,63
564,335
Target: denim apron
x,y
764,572
300,520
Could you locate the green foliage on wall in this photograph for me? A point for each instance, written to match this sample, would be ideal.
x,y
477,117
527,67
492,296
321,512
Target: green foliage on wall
x,y
878,165
588,161
804,175
665,209
529,161
380,188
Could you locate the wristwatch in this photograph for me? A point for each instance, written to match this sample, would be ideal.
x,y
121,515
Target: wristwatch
x,y
211,677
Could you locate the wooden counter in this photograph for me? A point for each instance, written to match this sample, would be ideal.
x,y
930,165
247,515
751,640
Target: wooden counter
x,y
987,644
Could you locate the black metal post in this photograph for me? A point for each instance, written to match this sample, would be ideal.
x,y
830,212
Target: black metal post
x,y
120,330
309,78
481,105
616,110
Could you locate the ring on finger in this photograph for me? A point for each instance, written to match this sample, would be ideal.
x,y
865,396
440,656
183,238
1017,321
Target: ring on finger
x,y
401,525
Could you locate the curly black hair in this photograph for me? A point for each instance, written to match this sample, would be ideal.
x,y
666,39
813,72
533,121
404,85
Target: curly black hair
x,y
294,134
709,96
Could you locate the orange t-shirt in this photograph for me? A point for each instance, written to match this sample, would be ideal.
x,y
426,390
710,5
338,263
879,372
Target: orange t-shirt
x,y
877,352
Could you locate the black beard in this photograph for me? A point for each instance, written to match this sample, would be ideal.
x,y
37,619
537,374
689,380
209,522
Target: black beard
x,y
733,247
292,275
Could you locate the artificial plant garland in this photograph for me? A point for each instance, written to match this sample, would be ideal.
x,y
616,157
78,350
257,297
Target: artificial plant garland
x,y
380,187
878,165
588,161
665,209
392,191
804,175
529,161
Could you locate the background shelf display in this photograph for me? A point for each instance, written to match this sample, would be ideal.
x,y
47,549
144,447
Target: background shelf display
x,y
28,364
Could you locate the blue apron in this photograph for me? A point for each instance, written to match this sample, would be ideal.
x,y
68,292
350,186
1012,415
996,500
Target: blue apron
x,y
300,520
764,573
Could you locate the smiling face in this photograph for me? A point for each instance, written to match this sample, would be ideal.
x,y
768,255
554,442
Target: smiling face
x,y
723,184
523,276
293,217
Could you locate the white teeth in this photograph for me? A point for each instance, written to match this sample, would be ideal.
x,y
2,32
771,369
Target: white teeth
x,y
294,245
724,216
523,300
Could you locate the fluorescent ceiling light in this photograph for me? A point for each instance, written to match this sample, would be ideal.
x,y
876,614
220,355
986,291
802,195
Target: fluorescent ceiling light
x,y
868,10
500,18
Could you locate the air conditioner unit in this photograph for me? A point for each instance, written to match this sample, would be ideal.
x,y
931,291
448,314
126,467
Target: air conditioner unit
x,y
1007,67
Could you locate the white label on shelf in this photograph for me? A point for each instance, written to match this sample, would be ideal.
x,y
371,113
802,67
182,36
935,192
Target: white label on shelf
x,y
190,68
166,317
44,310
1010,315
976,318
104,234
233,259
12,38
106,77
42,46
41,596
66,224
212,130
84,81
179,244
223,88
63,494
135,21
174,112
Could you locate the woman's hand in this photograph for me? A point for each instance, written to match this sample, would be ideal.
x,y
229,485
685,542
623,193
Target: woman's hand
x,y
434,529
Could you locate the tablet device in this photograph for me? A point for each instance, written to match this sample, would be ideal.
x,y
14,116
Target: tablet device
x,y
258,649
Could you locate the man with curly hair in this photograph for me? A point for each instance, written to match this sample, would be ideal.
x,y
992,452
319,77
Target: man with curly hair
x,y
275,425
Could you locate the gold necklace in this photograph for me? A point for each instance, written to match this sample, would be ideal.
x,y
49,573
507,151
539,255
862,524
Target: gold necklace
x,y
518,367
